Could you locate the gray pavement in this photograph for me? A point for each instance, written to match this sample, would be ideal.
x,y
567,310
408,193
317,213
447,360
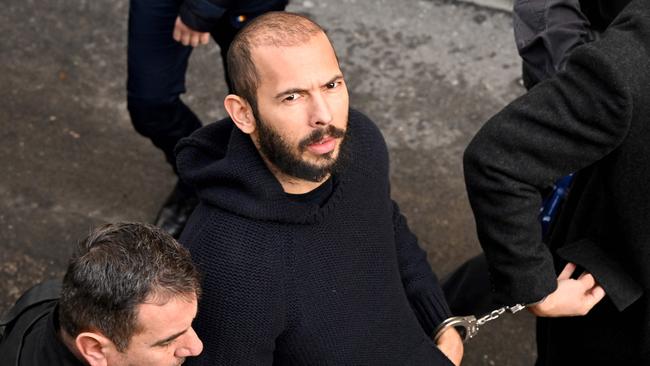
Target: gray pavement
x,y
428,72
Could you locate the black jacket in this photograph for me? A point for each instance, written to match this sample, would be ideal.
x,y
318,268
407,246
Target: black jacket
x,y
296,283
601,13
592,118
201,15
29,334
547,31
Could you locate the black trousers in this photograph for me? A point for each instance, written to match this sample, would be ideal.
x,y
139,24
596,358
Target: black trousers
x,y
157,65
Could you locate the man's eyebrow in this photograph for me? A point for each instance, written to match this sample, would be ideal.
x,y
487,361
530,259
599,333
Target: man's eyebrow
x,y
170,338
298,90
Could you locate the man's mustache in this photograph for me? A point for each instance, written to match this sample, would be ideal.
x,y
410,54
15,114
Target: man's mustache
x,y
318,135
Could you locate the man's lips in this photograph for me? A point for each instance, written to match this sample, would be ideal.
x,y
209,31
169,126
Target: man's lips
x,y
324,146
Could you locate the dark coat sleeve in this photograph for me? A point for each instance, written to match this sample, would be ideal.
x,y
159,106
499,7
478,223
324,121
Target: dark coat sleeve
x,y
562,125
201,15
420,283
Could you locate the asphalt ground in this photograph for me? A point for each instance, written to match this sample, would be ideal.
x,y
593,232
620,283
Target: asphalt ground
x,y
430,73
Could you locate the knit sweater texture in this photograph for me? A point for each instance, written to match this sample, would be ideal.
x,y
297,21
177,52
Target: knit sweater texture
x,y
298,283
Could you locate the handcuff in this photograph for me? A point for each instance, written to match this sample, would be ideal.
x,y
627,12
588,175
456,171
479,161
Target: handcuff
x,y
468,325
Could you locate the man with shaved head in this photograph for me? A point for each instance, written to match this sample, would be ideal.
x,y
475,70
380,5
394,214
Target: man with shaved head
x,y
307,260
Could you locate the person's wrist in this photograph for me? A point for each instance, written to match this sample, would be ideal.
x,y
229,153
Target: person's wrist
x,y
542,308
450,344
450,334
530,304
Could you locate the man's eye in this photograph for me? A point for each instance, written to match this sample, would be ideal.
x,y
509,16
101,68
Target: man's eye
x,y
333,84
165,344
291,97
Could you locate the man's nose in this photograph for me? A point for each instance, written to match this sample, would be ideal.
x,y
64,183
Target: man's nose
x,y
192,345
321,114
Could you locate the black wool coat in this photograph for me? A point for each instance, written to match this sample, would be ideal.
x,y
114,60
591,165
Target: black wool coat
x,y
594,119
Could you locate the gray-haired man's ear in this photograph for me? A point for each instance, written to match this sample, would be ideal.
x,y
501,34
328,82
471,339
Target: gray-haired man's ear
x,y
92,347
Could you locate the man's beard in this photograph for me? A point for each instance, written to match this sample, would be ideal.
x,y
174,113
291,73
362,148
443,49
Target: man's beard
x,y
289,162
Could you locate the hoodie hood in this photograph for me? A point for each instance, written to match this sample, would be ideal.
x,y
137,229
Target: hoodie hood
x,y
224,167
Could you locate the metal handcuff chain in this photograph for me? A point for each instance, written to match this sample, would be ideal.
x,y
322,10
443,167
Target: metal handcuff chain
x,y
467,326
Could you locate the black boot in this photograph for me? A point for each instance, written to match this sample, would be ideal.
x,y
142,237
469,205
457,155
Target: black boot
x,y
178,207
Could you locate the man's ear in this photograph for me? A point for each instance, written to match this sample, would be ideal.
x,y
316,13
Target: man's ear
x,y
240,112
92,347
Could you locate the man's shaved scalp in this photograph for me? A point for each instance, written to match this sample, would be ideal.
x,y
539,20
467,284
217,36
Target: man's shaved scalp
x,y
276,29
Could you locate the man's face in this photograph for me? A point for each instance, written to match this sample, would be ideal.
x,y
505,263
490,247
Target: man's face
x,y
302,108
166,336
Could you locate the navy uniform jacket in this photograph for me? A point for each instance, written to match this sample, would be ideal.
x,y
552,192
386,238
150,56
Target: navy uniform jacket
x,y
201,15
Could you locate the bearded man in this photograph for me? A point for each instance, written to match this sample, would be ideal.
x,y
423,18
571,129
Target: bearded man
x,y
307,260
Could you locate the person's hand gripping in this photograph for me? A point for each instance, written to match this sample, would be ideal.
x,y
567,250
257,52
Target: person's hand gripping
x,y
573,297
188,36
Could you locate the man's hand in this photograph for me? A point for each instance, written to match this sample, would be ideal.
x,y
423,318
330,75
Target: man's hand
x,y
188,36
572,297
451,345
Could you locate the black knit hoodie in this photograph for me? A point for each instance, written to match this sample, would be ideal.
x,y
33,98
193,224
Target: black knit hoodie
x,y
298,283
